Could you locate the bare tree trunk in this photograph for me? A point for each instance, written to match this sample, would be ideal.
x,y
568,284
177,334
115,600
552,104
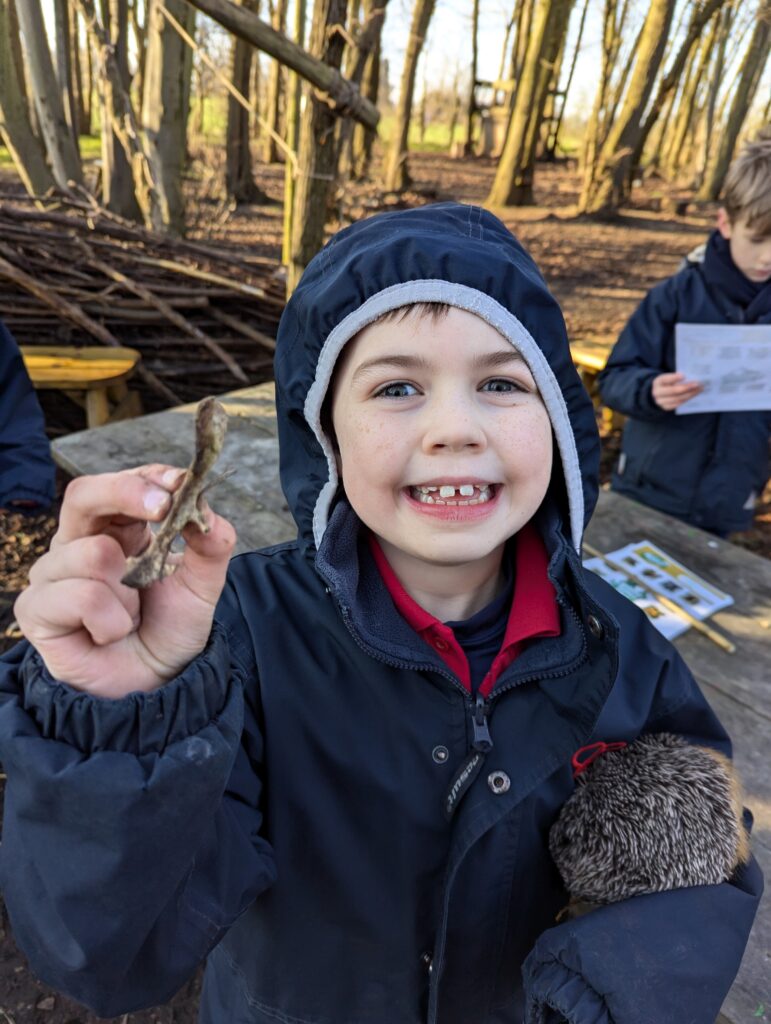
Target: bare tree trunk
x,y
716,75
56,133
397,175
548,113
64,66
16,132
505,47
699,18
594,136
88,89
523,18
317,152
83,122
551,142
124,122
608,187
255,91
270,150
455,112
363,137
679,125
686,115
140,41
423,103
472,107
755,59
117,177
361,64
513,183
293,96
164,113
239,179
658,136
14,40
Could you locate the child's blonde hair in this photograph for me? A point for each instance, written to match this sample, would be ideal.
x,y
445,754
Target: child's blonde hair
x,y
747,188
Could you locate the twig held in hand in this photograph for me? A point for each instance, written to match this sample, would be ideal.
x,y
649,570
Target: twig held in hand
x,y
210,426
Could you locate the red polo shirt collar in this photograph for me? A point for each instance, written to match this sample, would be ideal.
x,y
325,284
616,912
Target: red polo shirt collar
x,y
534,611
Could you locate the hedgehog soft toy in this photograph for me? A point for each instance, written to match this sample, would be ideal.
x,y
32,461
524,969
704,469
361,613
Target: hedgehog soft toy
x,y
656,814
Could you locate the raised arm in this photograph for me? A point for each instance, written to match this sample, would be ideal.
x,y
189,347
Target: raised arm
x,y
639,378
132,820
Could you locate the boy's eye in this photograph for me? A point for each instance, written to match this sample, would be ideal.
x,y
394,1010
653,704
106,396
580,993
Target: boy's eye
x,y
399,389
503,386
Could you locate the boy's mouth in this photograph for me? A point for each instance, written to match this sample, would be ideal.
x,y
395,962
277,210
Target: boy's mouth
x,y
453,494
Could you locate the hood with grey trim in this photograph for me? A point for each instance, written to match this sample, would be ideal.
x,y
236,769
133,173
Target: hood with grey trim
x,y
449,253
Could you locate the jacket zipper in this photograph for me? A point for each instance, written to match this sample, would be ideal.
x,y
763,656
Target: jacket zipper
x,y
470,767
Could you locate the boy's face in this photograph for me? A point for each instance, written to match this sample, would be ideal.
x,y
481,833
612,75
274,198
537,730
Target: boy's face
x,y
750,251
445,447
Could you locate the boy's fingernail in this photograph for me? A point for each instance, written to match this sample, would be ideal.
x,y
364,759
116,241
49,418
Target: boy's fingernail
x,y
171,476
155,499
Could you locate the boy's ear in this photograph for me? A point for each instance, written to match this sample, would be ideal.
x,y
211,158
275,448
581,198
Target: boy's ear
x,y
724,223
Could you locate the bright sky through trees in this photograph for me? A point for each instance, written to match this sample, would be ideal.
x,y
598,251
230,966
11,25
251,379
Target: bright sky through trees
x,y
448,47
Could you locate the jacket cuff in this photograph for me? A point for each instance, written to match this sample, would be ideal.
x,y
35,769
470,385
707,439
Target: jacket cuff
x,y
556,993
139,723
645,396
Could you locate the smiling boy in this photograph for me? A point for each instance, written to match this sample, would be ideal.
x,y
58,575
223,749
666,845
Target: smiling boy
x,y
445,451
337,786
706,469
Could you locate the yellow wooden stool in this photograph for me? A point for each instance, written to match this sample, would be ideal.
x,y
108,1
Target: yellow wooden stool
x,y
590,358
95,378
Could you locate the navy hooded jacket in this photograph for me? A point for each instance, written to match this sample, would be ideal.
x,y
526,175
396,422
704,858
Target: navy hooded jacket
x,y
278,807
26,467
705,468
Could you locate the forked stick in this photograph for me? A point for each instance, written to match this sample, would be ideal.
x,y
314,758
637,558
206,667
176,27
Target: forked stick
x,y
210,426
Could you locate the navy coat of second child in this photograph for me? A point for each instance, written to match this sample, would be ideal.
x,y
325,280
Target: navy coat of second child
x,y
708,469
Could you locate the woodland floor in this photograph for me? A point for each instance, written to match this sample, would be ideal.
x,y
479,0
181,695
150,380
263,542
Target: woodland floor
x,y
598,271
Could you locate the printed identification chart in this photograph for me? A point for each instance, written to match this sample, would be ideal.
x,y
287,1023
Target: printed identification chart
x,y
665,621
732,361
662,575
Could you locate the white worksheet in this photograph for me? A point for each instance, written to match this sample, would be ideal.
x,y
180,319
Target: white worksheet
x,y
733,362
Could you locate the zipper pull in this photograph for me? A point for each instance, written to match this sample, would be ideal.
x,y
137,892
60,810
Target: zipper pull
x,y
481,745
483,741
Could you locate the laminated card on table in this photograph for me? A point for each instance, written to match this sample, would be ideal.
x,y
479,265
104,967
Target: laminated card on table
x,y
666,622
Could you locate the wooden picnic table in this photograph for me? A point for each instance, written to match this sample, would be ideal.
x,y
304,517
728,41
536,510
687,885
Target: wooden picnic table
x,y
737,685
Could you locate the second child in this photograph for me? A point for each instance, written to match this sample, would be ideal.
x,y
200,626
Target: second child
x,y
708,469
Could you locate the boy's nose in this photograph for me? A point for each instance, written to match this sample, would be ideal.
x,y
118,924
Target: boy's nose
x,y
452,425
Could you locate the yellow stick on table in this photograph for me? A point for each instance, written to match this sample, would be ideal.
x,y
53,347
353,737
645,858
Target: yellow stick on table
x,y
714,635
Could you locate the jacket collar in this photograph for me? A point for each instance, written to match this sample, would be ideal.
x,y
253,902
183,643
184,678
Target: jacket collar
x,y
533,613
345,563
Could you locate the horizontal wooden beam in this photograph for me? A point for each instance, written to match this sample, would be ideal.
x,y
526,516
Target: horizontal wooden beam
x,y
343,96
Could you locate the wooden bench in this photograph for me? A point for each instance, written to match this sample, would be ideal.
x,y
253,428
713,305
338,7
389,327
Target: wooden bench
x,y
95,378
590,358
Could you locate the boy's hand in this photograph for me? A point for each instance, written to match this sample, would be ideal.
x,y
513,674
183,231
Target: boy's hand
x,y
672,389
91,630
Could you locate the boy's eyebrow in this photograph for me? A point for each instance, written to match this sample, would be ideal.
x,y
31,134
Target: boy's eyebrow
x,y
490,360
499,358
